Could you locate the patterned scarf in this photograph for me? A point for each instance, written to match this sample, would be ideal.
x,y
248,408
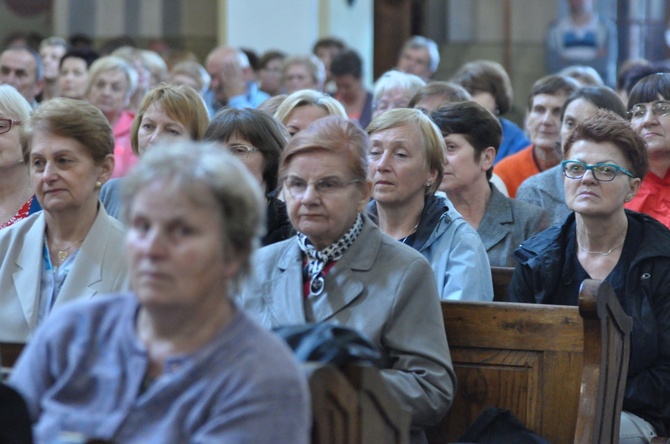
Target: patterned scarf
x,y
317,260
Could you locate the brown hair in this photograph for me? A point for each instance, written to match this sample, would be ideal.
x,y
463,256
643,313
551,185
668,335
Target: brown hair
x,y
74,119
606,126
330,134
181,103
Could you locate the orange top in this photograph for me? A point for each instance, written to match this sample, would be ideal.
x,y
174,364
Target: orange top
x,y
514,169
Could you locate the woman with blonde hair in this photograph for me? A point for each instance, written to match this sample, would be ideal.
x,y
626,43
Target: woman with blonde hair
x,y
406,166
303,107
167,112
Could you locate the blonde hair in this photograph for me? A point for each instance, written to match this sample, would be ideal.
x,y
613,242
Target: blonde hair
x,y
309,97
432,142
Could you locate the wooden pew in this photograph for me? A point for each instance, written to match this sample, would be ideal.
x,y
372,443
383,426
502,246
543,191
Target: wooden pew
x,y
353,406
9,353
501,276
560,370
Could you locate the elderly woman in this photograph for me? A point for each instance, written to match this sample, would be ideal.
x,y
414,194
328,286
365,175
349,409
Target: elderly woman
x,y
17,196
341,269
111,83
604,163
303,72
73,76
472,135
649,113
406,168
394,89
303,107
490,86
258,140
546,188
177,360
168,112
72,249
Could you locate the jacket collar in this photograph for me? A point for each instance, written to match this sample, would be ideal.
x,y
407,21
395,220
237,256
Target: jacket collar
x,y
342,283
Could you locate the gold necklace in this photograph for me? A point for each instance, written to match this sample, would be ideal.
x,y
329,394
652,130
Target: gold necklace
x,y
63,254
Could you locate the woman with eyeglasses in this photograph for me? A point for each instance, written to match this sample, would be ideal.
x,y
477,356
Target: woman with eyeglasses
x,y
341,269
17,197
546,188
257,139
167,113
605,161
649,113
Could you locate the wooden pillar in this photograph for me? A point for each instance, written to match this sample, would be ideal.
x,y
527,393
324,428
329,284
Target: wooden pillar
x,y
393,25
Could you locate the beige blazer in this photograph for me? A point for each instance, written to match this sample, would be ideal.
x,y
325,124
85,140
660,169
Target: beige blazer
x,y
100,267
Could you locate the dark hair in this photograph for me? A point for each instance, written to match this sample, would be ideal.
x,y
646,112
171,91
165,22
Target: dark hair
x,y
328,42
600,96
608,127
649,88
269,56
261,130
552,85
489,77
474,122
253,58
86,54
347,62
635,72
39,67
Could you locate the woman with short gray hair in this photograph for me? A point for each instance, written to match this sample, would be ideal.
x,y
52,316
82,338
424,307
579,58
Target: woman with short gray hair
x,y
178,360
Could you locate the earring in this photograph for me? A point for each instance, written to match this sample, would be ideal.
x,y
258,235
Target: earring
x,y
429,184
98,185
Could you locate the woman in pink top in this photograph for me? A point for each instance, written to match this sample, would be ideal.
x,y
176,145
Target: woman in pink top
x,y
111,83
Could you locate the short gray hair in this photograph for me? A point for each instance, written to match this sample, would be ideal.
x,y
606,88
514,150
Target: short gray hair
x,y
189,167
13,104
419,41
397,79
305,97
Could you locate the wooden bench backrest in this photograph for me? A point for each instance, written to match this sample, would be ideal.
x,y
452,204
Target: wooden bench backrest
x,y
353,406
560,370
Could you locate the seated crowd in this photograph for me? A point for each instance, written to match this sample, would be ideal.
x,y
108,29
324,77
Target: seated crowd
x,y
158,218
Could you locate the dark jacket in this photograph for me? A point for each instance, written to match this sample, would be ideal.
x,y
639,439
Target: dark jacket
x,y
540,275
278,227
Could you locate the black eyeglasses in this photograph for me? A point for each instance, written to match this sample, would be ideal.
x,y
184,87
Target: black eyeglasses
x,y
639,112
6,125
604,172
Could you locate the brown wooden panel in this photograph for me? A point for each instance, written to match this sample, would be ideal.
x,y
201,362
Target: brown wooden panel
x,y
506,379
524,326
